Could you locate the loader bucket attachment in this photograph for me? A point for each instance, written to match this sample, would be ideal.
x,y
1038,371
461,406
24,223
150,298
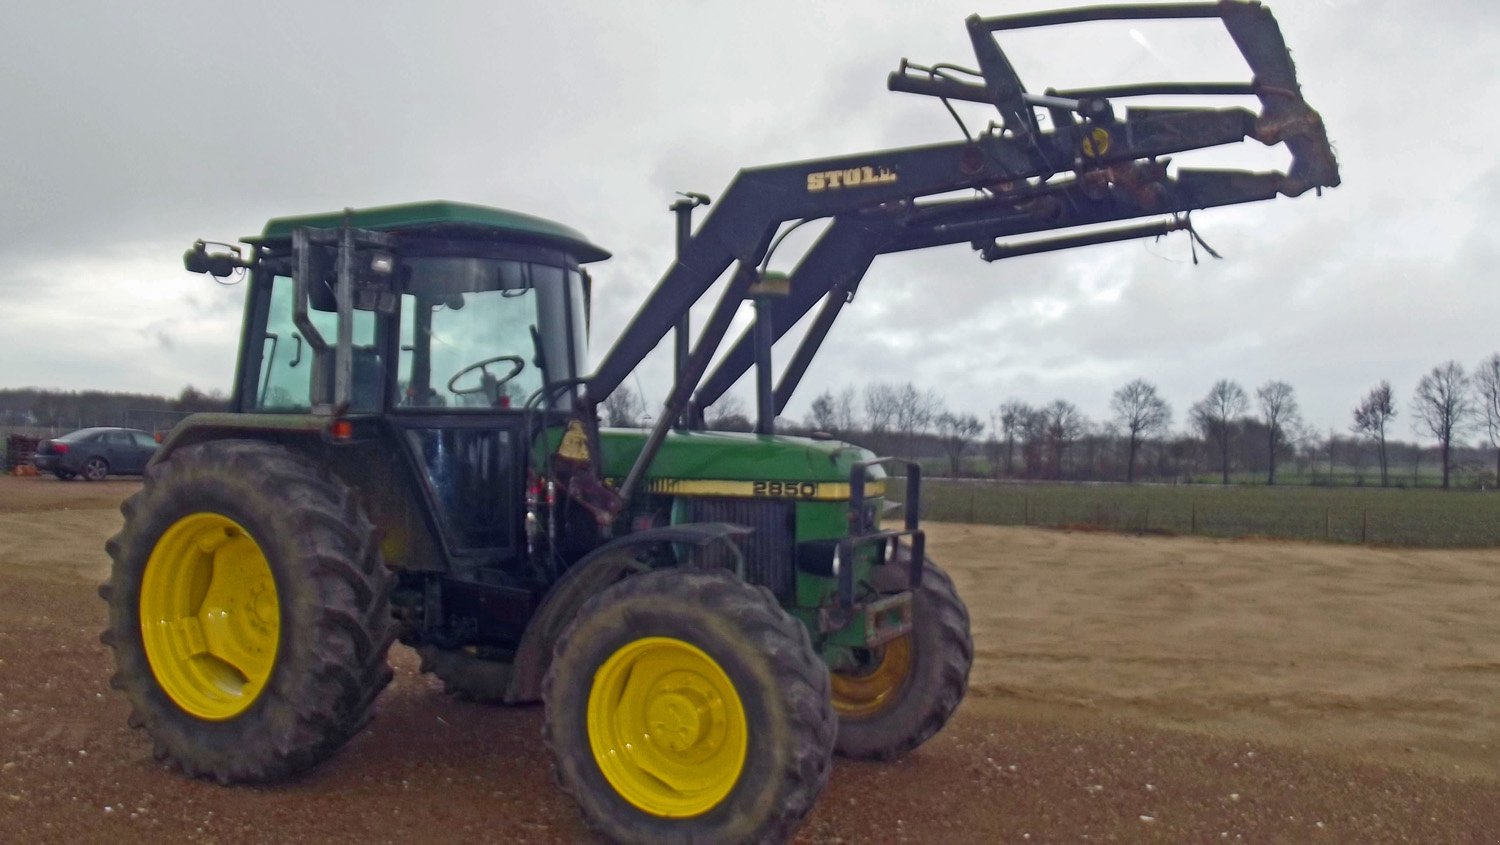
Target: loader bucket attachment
x,y
1285,116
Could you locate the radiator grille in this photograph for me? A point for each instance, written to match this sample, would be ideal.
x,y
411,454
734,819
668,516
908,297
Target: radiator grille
x,y
769,552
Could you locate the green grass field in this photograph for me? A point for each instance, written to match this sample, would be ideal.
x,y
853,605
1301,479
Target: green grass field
x,y
1423,517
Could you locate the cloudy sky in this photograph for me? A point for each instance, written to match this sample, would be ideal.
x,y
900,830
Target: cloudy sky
x,y
130,129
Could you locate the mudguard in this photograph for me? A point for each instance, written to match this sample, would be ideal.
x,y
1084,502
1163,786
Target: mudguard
x,y
602,567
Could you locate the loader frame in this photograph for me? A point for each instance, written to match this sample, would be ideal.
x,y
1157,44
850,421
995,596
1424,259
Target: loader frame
x,y
1092,167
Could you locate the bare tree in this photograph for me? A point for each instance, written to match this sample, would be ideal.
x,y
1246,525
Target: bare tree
x,y
193,399
1063,424
1013,413
728,414
992,446
957,431
1214,417
1141,413
1032,430
880,410
915,410
1279,411
844,418
623,409
1370,418
822,415
1487,385
1442,408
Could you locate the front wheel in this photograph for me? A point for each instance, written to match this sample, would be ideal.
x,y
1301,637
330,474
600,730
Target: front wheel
x,y
903,692
248,611
689,707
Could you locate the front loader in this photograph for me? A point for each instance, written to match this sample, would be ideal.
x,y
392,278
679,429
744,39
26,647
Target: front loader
x,y
414,453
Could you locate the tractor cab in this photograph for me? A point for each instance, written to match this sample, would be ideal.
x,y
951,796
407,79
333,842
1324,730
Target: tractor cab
x,y
454,307
444,325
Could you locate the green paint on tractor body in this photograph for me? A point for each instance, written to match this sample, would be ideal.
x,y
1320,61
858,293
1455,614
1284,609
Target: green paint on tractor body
x,y
735,456
813,473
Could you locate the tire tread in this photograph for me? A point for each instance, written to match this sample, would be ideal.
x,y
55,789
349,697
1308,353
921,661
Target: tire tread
x,y
330,698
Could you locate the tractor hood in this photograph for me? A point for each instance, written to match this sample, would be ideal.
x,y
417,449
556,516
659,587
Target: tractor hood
x,y
711,463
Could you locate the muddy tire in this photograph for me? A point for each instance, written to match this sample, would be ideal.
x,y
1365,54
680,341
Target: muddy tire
x,y
689,707
910,687
467,676
248,611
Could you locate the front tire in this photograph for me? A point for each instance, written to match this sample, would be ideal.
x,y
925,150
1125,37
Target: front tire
x,y
689,707
908,689
248,611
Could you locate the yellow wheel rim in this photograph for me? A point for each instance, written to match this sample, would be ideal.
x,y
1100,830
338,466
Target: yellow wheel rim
x,y
210,618
862,694
666,727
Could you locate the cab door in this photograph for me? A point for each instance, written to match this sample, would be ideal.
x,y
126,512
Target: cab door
x,y
479,338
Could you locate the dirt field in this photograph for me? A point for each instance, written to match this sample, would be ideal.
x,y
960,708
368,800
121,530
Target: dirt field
x,y
1136,689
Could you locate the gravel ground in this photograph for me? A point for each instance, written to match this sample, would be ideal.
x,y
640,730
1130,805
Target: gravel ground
x,y
1009,768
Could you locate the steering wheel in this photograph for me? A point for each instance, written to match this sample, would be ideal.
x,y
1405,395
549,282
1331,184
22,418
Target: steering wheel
x,y
488,384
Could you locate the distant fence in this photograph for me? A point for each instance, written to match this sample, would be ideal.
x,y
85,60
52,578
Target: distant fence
x,y
1431,518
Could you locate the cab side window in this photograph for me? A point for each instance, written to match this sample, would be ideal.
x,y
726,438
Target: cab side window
x,y
287,360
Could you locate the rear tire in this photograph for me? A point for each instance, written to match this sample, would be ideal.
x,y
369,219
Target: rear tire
x,y
689,707
95,469
248,611
911,685
65,475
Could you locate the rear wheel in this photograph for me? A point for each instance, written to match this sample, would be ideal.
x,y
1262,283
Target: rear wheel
x,y
906,690
65,475
248,611
689,707
95,469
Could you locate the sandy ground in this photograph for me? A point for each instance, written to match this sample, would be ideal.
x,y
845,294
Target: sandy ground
x,y
1125,689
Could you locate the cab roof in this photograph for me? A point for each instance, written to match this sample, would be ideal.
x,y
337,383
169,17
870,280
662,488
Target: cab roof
x,y
444,219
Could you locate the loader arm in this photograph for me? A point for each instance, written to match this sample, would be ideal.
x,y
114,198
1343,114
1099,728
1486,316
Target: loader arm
x,y
830,271
1090,167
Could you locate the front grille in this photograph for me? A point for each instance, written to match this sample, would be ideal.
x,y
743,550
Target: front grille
x,y
769,550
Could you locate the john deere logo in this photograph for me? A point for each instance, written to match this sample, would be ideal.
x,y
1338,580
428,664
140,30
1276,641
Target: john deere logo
x,y
854,177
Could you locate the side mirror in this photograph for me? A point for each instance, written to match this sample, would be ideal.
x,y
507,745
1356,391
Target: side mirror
x,y
217,264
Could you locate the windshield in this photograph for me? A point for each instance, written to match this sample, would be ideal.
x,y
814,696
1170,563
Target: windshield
x,y
487,333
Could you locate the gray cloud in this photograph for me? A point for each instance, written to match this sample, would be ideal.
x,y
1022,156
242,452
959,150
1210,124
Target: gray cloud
x,y
133,129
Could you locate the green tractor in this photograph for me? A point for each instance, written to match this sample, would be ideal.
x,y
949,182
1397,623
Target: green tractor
x,y
414,454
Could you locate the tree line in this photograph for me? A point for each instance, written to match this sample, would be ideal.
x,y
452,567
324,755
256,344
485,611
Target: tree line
x,y
1229,431
54,410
